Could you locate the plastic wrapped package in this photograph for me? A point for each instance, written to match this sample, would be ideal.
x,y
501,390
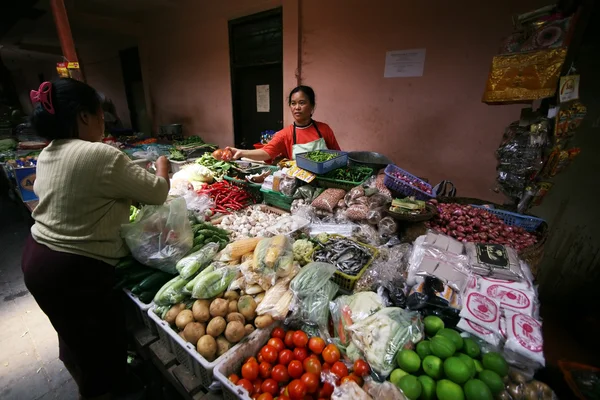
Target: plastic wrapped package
x,y
235,250
432,297
375,215
213,282
365,233
303,209
494,260
288,186
160,236
328,200
511,295
444,243
378,201
274,257
356,192
357,212
305,192
379,337
346,229
348,310
277,300
479,331
524,337
383,190
425,261
481,310
349,391
387,227
189,265
382,390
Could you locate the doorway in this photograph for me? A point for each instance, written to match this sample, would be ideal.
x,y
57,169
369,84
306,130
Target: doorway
x,y
134,90
256,54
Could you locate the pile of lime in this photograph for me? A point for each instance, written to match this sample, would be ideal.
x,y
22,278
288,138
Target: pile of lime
x,y
448,366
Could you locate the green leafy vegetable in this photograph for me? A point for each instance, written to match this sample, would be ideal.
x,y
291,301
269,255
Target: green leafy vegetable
x,y
321,156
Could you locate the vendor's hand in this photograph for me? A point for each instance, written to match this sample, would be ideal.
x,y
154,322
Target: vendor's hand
x,y
237,153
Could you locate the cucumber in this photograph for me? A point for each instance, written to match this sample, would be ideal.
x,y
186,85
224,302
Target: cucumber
x,y
136,289
154,281
146,297
125,263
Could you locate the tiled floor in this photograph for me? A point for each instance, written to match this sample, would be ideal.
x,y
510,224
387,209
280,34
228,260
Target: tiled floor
x,y
29,364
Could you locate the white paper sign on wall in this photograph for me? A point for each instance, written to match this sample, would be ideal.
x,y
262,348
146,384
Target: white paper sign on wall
x,y
404,63
263,101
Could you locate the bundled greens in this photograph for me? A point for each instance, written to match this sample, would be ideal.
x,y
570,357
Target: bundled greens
x,y
189,140
176,155
218,168
320,156
350,174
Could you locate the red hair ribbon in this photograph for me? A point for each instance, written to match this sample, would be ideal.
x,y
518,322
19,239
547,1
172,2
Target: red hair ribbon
x,y
44,96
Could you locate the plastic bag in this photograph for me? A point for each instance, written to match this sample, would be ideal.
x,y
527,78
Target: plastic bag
x,y
380,336
198,204
384,390
378,201
431,298
374,216
277,300
479,331
349,391
328,200
305,192
357,212
383,190
355,193
387,227
190,265
213,282
347,310
366,234
235,250
524,337
288,186
160,235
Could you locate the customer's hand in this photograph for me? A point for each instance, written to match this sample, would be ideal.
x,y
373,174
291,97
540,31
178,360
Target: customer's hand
x,y
162,162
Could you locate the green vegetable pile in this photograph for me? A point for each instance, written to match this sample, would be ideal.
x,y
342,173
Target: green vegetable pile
x,y
143,281
218,168
176,155
205,233
350,174
320,156
133,213
189,140
7,144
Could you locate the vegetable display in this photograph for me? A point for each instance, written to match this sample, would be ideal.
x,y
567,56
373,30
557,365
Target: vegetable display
x,y
346,255
408,205
320,156
189,140
471,224
144,282
414,182
176,155
350,174
205,233
227,197
219,168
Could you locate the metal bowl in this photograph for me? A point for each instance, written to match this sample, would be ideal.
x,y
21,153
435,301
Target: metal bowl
x,y
369,159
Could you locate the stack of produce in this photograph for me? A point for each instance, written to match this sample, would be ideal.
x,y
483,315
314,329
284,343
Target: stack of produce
x,y
227,197
205,233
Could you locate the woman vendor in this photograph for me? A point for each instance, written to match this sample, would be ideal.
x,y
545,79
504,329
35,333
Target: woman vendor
x,y
303,136
85,189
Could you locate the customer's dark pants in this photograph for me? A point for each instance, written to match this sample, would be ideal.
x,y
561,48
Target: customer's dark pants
x,y
76,294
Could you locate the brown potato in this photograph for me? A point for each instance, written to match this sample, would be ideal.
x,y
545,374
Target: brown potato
x,y
172,313
248,329
263,321
232,306
216,326
193,332
207,347
231,295
201,311
223,346
247,307
184,318
234,331
181,335
236,316
219,308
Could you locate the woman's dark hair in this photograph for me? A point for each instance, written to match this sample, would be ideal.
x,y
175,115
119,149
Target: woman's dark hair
x,y
307,90
69,98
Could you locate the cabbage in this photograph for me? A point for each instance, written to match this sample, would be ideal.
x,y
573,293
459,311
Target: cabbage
x,y
198,173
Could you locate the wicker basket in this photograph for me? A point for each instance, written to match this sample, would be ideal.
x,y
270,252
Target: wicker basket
x,y
426,216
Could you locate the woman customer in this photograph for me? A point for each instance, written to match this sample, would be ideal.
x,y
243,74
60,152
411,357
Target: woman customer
x,y
85,189
302,136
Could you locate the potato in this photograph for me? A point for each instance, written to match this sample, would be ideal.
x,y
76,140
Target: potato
x,y
234,331
231,295
259,297
223,346
200,310
517,376
248,328
263,321
216,326
194,331
236,316
207,347
172,313
184,318
181,335
232,306
219,307
247,307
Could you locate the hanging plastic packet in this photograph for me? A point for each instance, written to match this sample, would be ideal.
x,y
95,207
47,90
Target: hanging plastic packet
x,y
481,309
524,337
479,331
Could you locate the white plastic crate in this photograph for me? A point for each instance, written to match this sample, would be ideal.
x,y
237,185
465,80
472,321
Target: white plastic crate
x,y
187,354
141,310
232,362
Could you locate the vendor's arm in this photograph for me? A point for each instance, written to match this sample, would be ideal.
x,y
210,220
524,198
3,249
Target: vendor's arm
x,y
274,148
329,137
125,180
258,155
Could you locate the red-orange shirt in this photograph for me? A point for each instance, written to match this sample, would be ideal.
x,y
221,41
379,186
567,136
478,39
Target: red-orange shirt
x,y
282,141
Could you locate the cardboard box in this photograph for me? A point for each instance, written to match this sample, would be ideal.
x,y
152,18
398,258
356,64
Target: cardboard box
x,y
25,178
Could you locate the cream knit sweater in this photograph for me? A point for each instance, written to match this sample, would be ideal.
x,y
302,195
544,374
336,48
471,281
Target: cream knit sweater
x,y
85,190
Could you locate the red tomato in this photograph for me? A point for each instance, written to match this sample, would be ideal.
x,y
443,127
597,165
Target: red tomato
x,y
256,385
289,339
250,359
311,381
286,356
331,354
300,339
260,358
246,384
278,333
361,368
269,354
297,389
300,354
326,367
250,371
270,386
359,381
283,397
265,396
295,369
280,373
264,370
326,391
276,343
255,396
312,365
233,378
316,345
339,369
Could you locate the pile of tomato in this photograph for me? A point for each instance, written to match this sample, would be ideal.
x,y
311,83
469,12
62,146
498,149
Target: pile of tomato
x,y
290,367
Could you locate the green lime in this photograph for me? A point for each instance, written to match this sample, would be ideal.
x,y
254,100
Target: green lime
x,y
424,349
492,380
442,347
433,366
453,336
478,366
477,390
448,390
410,386
469,361
396,375
471,348
433,324
428,386
495,362
456,370
408,360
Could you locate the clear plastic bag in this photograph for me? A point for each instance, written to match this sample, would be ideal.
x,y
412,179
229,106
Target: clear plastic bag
x,y
378,200
214,282
190,265
277,300
494,260
365,233
384,390
349,391
380,336
305,192
357,212
160,235
288,186
328,200
274,257
198,204
348,310
387,227
374,216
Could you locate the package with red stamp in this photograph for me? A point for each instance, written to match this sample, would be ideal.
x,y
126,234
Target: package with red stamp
x,y
509,297
479,331
481,309
524,337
